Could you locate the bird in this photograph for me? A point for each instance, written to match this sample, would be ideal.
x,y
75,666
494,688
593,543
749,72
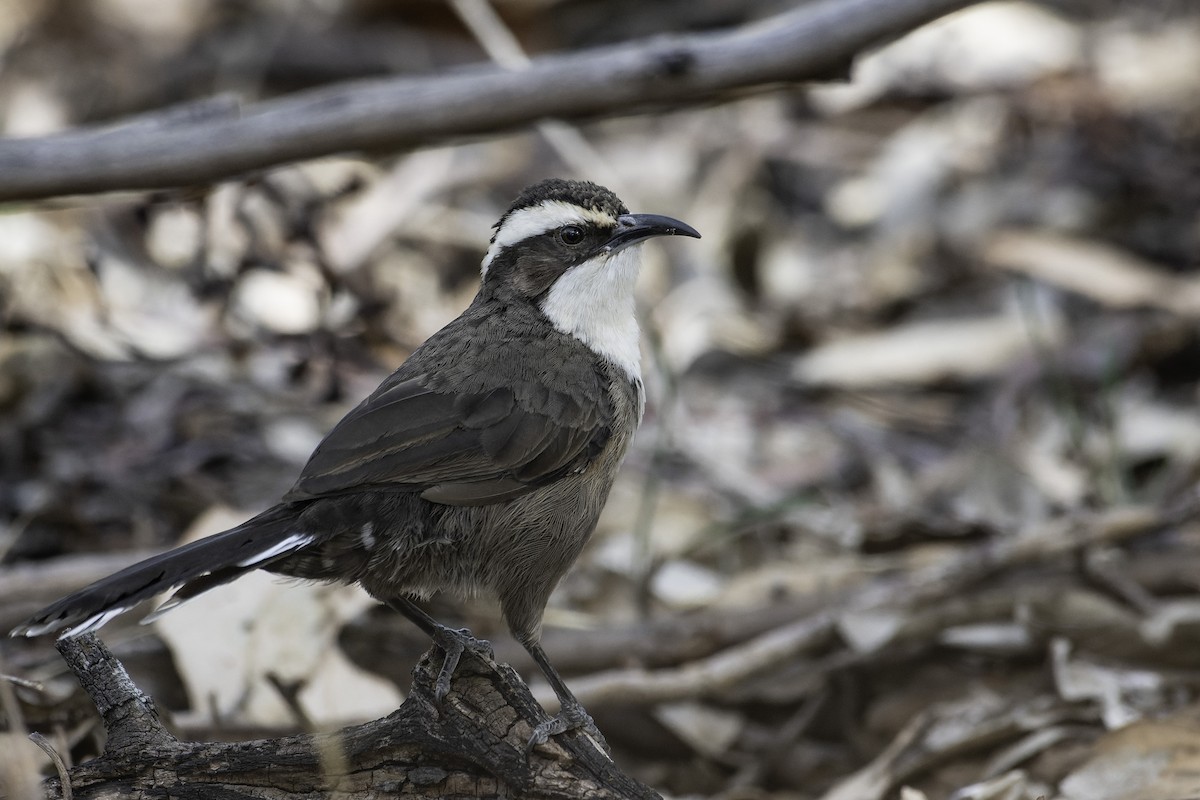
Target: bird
x,y
480,465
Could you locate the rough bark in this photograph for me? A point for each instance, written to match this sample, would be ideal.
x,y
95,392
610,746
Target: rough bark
x,y
472,746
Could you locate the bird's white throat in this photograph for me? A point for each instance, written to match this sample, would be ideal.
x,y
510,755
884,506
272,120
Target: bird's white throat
x,y
594,302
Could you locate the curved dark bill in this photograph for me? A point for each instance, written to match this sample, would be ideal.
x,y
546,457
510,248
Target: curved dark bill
x,y
633,228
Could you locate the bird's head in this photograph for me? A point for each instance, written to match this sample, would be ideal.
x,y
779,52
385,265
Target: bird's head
x,y
570,247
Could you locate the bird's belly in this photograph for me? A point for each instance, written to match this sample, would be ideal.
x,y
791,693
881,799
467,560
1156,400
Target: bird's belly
x,y
536,538
396,543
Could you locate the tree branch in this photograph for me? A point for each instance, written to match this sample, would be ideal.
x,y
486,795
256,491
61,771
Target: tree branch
x,y
128,715
391,114
472,745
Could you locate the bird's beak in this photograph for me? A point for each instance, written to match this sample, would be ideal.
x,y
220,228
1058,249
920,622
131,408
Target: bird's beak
x,y
633,228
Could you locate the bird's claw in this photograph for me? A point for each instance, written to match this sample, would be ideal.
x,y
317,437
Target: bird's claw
x,y
453,642
571,717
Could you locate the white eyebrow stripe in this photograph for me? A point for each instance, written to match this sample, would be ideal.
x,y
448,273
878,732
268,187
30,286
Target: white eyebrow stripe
x,y
536,220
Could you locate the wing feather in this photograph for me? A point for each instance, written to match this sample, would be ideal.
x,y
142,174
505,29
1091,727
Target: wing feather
x,y
457,449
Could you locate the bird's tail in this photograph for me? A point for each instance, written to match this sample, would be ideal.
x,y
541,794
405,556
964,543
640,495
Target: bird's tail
x,y
190,570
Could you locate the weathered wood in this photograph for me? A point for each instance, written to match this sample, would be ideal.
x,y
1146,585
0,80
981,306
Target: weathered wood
x,y
472,746
216,140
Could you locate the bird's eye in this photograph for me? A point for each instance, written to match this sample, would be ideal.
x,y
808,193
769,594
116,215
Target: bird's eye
x,y
570,235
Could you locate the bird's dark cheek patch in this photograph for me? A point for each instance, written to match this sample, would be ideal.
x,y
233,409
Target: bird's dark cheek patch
x,y
534,265
536,273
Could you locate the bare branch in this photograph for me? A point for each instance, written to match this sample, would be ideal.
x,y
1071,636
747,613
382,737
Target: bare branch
x,y
806,43
472,744
129,715
935,584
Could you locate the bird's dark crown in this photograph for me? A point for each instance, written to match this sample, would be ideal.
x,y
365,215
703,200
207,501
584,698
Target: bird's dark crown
x,y
584,194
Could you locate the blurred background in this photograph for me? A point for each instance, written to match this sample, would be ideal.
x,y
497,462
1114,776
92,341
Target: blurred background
x,y
913,504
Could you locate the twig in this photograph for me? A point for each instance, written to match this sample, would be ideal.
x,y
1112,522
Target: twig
x,y
503,49
724,670
707,676
289,692
1109,569
803,44
18,770
60,766
873,780
37,686
755,773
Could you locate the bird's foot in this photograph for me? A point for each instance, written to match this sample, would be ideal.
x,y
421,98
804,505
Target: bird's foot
x,y
453,642
572,717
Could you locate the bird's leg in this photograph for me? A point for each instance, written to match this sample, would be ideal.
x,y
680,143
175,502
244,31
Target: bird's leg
x,y
451,641
571,714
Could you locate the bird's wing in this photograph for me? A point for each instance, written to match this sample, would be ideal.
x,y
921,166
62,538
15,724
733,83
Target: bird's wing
x,y
455,448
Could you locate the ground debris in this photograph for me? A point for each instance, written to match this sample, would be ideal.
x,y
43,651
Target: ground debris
x,y
913,510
